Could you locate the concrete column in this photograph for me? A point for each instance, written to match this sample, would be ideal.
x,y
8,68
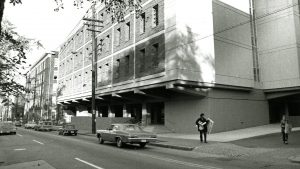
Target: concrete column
x,y
144,115
125,114
286,111
110,113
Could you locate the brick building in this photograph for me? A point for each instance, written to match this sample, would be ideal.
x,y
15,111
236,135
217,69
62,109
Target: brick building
x,y
41,80
165,67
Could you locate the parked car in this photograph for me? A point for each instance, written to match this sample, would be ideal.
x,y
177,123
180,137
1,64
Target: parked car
x,y
44,126
30,125
18,124
126,133
7,128
68,129
57,127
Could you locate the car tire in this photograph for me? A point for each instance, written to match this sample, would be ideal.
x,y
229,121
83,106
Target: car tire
x,y
142,145
100,139
119,142
75,134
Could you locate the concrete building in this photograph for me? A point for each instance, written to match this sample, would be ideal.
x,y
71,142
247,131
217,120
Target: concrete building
x,y
41,80
278,37
173,62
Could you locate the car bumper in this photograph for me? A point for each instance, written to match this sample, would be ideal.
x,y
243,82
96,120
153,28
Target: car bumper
x,y
141,140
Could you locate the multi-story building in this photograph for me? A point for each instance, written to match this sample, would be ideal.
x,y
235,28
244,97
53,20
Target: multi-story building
x,y
278,38
41,81
171,63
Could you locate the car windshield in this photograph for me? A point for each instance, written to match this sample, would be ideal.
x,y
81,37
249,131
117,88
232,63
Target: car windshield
x,y
132,128
70,127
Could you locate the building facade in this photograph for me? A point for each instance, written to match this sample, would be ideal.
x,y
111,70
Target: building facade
x,y
278,37
41,81
168,65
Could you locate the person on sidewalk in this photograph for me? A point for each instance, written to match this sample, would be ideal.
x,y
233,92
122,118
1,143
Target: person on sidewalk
x,y
285,129
202,123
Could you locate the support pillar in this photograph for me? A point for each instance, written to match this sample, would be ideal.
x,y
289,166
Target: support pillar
x,y
145,120
125,114
110,113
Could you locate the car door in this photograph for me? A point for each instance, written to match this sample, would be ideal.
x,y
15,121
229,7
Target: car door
x,y
105,134
112,133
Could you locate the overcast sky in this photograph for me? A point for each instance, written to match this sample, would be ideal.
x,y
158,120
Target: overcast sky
x,y
36,19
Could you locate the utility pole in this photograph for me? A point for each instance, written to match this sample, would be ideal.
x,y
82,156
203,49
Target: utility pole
x,y
94,68
93,20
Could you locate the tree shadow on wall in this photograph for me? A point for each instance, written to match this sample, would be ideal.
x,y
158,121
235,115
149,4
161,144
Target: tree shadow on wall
x,y
194,57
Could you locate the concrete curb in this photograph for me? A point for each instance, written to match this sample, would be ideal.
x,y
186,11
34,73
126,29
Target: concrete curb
x,y
186,148
172,146
87,134
295,159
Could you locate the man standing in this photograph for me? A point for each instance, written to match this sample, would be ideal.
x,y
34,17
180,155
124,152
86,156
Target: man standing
x,y
202,123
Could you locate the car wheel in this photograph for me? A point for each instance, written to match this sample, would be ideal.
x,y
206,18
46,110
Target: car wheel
x,y
100,139
119,142
75,134
142,145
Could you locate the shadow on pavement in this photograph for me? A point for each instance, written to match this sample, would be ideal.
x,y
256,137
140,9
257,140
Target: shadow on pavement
x,y
270,141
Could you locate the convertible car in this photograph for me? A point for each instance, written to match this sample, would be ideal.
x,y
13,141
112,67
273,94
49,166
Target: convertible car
x,y
126,133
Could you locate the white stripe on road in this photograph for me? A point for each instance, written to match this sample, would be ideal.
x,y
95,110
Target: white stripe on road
x,y
199,166
90,164
20,149
38,142
20,135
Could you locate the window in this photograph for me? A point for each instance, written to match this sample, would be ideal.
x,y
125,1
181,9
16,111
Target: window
x,y
155,59
118,36
155,16
142,23
127,64
142,60
107,43
127,31
55,75
101,16
55,62
117,68
100,46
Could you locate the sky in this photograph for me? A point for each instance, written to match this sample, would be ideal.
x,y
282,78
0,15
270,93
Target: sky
x,y
37,19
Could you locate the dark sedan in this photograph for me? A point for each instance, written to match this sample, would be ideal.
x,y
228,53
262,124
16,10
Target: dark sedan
x,y
126,133
68,129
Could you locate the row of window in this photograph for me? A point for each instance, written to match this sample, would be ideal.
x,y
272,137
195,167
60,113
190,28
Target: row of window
x,y
122,34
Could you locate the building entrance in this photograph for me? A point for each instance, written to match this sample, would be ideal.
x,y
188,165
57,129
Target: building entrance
x,y
156,112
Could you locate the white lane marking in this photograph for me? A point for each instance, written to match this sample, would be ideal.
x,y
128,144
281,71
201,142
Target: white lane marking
x,y
199,166
38,142
90,164
20,135
20,149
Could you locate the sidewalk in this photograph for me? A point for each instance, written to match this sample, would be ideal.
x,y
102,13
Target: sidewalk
x,y
237,143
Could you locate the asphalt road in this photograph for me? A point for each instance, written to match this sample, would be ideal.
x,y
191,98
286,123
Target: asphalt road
x,y
71,152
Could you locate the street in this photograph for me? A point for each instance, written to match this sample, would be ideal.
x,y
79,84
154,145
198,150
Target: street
x,y
64,152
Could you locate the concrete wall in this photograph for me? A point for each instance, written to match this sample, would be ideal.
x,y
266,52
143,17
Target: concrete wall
x,y
233,50
85,123
228,109
277,44
195,45
295,121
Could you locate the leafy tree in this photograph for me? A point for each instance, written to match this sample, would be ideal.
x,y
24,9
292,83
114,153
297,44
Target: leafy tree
x,y
13,49
117,8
